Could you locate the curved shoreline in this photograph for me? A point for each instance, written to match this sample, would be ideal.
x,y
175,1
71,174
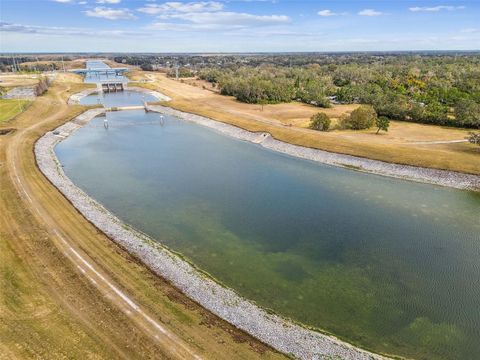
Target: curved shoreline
x,y
440,177
432,176
282,334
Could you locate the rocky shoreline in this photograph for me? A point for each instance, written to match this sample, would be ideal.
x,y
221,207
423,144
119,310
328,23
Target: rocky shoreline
x,y
413,173
426,175
282,334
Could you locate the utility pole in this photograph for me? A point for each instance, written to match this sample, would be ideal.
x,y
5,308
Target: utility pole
x,y
35,66
14,64
63,64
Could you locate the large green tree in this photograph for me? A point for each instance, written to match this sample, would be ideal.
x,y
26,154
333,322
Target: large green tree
x,y
467,113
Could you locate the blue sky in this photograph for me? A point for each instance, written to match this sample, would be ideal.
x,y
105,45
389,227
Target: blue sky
x,y
237,25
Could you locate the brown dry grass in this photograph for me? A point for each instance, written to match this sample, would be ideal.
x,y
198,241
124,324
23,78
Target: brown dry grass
x,y
48,308
288,122
9,80
74,64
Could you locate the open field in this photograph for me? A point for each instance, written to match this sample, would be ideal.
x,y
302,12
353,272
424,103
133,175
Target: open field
x,y
287,122
74,78
67,290
9,108
9,80
74,64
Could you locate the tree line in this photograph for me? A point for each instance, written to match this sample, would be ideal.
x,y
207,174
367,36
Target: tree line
x,y
441,90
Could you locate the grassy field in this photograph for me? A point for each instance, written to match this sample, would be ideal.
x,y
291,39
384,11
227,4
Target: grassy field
x,y
405,143
9,108
74,64
49,308
11,80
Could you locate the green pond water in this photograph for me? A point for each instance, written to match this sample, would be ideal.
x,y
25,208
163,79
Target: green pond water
x,y
391,265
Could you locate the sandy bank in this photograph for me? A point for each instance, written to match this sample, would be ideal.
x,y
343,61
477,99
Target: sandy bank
x,y
279,333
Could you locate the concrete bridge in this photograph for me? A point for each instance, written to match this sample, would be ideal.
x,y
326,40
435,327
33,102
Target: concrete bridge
x,y
107,79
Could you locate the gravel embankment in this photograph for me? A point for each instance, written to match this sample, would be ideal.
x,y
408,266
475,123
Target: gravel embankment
x,y
75,98
432,176
24,93
156,94
279,333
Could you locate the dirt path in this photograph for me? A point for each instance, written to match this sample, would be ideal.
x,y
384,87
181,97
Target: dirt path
x,y
64,239
437,142
68,291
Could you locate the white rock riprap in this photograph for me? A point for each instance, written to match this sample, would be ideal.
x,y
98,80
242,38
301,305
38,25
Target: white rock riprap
x,y
281,334
158,95
432,176
75,98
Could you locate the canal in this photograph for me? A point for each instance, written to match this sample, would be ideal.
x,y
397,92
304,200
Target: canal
x,y
387,264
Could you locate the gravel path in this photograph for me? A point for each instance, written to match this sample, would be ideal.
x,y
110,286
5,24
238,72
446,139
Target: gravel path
x,y
281,334
432,176
436,142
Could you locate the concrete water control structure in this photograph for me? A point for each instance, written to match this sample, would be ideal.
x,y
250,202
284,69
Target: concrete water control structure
x,y
107,79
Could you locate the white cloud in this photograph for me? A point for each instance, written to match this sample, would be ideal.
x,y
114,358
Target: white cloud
x,y
109,13
172,7
63,1
326,13
205,15
108,1
66,31
82,2
166,26
370,12
436,8
222,20
228,18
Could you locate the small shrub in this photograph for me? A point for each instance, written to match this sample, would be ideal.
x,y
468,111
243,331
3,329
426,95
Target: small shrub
x,y
382,123
320,121
361,118
474,138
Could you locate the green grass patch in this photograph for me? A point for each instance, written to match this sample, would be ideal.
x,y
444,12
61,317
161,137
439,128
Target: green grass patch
x,y
9,108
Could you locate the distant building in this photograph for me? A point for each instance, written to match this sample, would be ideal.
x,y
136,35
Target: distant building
x,y
333,99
